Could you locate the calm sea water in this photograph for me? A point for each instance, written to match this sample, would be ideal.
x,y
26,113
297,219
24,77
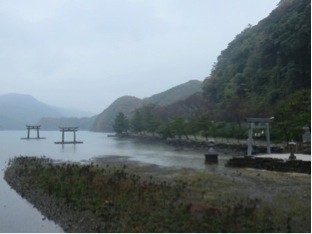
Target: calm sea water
x,y
17,215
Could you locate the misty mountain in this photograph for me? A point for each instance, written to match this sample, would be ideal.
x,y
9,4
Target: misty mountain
x,y
128,104
18,110
74,113
84,123
176,93
265,71
125,104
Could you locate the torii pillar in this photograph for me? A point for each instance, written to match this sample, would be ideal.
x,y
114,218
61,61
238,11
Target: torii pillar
x,y
258,123
33,127
68,129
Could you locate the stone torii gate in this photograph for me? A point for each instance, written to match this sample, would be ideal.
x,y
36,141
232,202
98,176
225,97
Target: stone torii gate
x,y
32,127
262,123
68,129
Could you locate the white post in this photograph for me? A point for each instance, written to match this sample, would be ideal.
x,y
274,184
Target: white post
x,y
268,138
249,143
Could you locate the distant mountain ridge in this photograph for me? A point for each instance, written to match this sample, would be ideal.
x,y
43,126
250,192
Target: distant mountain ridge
x,y
128,104
84,123
125,104
18,110
265,71
176,93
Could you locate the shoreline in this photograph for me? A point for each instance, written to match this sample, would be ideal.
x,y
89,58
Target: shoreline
x,y
55,209
227,146
258,184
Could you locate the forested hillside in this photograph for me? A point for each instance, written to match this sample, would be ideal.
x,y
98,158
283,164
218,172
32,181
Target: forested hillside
x,y
176,93
265,71
265,65
128,104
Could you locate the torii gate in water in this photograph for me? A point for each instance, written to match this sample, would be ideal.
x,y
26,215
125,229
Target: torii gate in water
x,y
68,129
32,127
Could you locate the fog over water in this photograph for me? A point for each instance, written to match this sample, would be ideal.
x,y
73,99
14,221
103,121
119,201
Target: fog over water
x,y
17,215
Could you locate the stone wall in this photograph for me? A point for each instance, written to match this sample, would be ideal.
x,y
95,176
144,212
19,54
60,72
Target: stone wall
x,y
271,164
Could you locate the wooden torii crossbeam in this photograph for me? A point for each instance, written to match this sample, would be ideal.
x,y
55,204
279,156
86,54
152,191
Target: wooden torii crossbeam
x,y
68,129
258,123
32,127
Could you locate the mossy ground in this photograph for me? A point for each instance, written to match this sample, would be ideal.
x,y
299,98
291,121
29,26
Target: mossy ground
x,y
138,198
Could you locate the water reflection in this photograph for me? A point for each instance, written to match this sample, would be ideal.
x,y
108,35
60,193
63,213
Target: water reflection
x,y
17,215
68,148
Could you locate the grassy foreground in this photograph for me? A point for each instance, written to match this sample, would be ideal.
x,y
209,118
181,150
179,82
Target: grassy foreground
x,y
121,200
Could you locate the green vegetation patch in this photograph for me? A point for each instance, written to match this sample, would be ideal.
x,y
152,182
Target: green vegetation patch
x,y
124,202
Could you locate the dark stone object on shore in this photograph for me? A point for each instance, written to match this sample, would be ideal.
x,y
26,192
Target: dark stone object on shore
x,y
271,164
211,156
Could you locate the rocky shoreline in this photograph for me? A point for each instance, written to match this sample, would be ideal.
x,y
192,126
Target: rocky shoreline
x,y
58,210
255,183
237,150
271,164
55,209
226,146
73,220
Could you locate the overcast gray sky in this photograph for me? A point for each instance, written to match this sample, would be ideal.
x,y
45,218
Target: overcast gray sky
x,y
86,53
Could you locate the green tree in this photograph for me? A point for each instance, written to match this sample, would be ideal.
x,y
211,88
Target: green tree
x,y
291,115
121,124
179,127
166,130
204,123
137,122
263,65
149,120
192,127
153,124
